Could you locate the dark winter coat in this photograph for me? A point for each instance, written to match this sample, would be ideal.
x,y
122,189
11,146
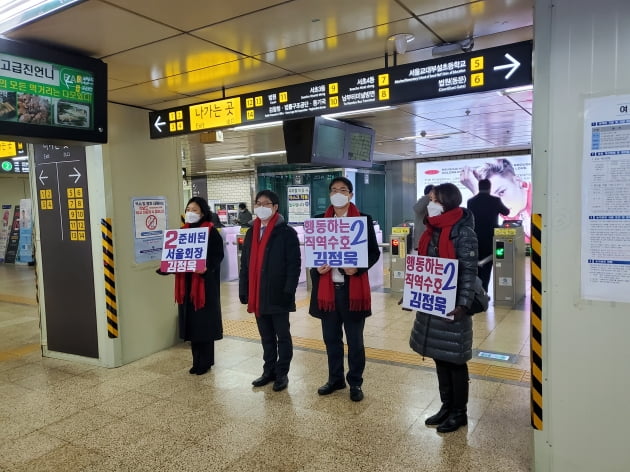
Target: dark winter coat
x,y
373,255
280,271
440,338
205,324
486,209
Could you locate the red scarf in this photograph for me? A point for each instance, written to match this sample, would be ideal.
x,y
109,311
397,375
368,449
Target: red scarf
x,y
256,257
360,295
197,284
445,223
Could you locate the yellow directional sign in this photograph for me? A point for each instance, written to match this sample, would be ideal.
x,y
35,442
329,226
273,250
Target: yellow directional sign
x,y
215,114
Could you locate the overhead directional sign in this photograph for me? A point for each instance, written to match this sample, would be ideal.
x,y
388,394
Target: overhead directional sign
x,y
12,149
478,71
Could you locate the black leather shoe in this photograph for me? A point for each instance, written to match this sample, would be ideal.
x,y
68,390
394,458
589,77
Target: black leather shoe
x,y
193,370
201,371
438,418
356,394
455,419
329,388
263,380
281,383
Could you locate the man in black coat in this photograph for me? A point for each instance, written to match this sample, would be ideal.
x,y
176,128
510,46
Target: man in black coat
x,y
349,300
269,275
486,209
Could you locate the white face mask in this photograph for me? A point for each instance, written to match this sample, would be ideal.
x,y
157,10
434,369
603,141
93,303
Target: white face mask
x,y
339,200
434,209
263,212
192,217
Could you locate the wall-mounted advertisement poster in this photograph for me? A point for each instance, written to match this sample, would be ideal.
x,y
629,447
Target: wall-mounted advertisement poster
x,y
299,197
149,221
510,179
605,263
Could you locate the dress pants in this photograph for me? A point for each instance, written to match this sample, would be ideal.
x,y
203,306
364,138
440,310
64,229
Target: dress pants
x,y
332,324
203,355
275,336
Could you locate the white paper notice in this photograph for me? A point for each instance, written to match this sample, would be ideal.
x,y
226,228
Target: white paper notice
x,y
606,199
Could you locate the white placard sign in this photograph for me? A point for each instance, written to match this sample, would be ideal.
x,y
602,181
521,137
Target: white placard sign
x,y
605,261
184,250
430,284
338,242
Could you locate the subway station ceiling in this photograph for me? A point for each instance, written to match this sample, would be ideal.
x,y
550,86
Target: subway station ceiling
x,y
163,54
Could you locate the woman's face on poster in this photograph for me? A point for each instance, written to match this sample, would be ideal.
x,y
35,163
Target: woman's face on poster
x,y
511,191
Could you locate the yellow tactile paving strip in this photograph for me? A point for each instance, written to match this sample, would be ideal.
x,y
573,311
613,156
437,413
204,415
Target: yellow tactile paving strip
x,y
18,352
247,329
17,300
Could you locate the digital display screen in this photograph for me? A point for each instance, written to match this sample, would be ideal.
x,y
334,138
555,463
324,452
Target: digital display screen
x,y
329,142
51,94
360,145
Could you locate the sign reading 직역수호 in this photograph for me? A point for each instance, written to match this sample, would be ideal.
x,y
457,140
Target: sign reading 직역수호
x,y
51,94
184,250
489,69
337,242
430,284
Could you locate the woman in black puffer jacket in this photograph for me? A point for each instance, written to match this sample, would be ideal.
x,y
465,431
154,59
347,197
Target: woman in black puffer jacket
x,y
449,233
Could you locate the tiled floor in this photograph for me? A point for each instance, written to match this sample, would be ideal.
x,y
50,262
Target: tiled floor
x,y
152,415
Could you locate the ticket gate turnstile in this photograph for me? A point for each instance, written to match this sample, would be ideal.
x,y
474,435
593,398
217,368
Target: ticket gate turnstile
x,y
399,245
509,263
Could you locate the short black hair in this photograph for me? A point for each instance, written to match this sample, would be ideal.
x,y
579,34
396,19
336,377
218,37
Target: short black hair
x,y
242,206
203,206
343,180
448,195
485,185
427,189
273,196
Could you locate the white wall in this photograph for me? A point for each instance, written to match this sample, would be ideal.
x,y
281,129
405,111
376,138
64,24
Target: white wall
x,y
580,50
234,187
135,166
14,187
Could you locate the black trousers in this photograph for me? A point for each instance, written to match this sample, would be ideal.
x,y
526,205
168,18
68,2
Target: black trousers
x,y
332,325
453,382
202,354
275,336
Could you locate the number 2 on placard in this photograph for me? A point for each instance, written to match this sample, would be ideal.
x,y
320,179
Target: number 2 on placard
x,y
169,238
449,271
357,237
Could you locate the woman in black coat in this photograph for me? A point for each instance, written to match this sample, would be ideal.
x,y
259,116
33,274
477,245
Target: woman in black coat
x,y
201,323
450,234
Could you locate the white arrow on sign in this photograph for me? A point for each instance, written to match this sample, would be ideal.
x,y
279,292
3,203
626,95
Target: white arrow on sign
x,y
514,64
77,175
159,123
42,177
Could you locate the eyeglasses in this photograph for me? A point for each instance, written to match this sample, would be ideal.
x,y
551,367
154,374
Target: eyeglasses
x,y
344,190
263,204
